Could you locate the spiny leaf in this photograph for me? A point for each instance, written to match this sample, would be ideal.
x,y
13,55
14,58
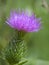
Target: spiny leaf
x,y
15,51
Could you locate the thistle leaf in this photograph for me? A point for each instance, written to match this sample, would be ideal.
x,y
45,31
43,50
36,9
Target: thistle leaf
x,y
15,50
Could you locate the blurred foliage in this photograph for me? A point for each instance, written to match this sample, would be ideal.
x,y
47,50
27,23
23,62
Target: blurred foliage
x,y
38,43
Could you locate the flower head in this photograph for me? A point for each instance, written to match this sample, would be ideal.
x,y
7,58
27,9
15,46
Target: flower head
x,y
22,21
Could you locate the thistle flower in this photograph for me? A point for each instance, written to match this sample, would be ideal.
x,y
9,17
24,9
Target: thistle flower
x,y
22,21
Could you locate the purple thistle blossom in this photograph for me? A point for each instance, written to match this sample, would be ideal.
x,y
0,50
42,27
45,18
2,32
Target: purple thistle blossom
x,y
22,21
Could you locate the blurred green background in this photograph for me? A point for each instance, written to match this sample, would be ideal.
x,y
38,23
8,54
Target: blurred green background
x,y
38,42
